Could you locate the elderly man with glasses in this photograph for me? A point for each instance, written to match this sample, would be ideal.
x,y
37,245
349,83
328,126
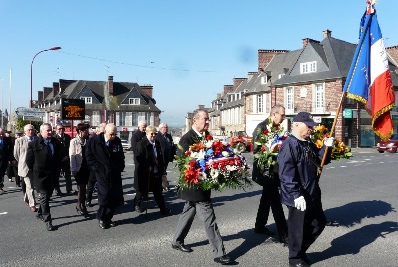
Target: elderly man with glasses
x,y
269,180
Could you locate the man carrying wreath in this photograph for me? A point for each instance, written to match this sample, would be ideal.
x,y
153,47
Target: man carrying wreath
x,y
269,179
198,200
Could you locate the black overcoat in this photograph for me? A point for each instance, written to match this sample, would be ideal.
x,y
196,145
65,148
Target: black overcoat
x,y
145,158
107,164
168,147
44,167
6,154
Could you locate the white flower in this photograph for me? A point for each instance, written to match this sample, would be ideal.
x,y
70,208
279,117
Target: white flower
x,y
225,154
214,173
209,144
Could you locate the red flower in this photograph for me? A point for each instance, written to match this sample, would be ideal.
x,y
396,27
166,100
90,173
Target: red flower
x,y
266,131
187,153
192,163
209,137
191,175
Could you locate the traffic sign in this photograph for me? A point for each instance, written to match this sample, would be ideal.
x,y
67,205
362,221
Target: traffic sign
x,y
32,118
30,112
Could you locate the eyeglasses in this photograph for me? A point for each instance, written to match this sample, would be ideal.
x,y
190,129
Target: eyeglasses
x,y
153,134
282,115
61,128
113,134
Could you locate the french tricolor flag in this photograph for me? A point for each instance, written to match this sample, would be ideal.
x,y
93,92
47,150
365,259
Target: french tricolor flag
x,y
369,78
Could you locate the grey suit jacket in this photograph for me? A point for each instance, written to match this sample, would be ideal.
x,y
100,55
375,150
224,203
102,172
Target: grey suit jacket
x,y
20,149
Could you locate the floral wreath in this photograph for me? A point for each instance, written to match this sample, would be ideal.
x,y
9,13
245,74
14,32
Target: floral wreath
x,y
212,164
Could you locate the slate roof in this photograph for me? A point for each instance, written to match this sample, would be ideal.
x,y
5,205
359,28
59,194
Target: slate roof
x,y
333,58
98,90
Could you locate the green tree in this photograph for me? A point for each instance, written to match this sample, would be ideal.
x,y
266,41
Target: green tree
x,y
20,123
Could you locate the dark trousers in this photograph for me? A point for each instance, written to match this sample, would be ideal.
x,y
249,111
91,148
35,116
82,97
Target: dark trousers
x,y
270,199
304,229
105,213
65,167
44,206
156,186
90,186
206,214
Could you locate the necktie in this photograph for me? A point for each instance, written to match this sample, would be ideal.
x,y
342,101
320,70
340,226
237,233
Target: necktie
x,y
50,152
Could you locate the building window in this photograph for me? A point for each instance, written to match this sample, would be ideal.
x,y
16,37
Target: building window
x,y
96,118
134,101
87,99
307,67
289,99
319,98
260,103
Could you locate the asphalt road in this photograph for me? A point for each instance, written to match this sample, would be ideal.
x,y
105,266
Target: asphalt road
x,y
360,194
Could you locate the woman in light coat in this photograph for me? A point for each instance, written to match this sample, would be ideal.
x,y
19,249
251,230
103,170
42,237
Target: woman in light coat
x,y
78,166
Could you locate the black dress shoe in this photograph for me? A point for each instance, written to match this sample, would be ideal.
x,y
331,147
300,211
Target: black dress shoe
x,y
40,217
49,226
182,247
165,211
263,231
103,225
112,224
88,203
223,260
138,209
299,264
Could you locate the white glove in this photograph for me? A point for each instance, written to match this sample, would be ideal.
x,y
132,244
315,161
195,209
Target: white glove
x,y
328,141
299,203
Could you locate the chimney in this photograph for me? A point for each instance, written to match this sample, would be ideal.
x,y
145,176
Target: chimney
x,y
309,40
238,81
327,34
147,89
251,74
55,89
265,57
228,89
40,96
110,85
63,84
46,92
201,106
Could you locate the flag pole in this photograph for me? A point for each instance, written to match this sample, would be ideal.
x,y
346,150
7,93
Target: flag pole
x,y
343,96
347,84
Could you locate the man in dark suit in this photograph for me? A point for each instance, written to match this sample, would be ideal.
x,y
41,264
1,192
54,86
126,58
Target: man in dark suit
x,y
270,198
150,171
198,200
104,155
6,155
166,144
137,136
64,139
43,158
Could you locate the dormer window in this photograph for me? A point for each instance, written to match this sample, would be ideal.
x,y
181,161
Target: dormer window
x,y
307,67
134,101
264,80
87,100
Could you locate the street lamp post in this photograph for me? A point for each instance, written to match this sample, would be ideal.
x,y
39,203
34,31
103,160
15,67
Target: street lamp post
x,y
31,72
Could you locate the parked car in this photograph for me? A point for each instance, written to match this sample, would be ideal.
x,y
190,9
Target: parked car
x,y
126,145
390,145
241,140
